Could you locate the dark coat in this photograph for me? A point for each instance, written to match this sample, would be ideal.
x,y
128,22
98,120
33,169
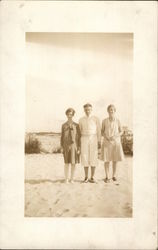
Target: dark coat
x,y
70,142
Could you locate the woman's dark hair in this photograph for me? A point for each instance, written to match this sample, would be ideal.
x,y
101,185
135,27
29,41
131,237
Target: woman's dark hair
x,y
87,105
70,110
111,106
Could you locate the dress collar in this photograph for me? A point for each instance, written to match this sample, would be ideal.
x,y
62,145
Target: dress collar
x,y
112,119
70,123
88,116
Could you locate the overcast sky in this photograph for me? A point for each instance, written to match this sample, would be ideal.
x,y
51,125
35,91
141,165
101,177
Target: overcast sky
x,y
69,69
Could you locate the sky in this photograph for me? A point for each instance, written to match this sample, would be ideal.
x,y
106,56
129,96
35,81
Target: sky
x,y
70,69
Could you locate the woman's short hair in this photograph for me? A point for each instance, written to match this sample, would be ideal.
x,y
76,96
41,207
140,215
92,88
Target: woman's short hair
x,y
111,106
70,110
87,105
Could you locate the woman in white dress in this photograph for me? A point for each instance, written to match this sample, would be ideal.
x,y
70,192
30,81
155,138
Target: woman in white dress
x,y
90,142
111,150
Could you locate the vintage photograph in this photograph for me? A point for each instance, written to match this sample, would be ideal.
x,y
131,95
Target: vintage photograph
x,y
79,125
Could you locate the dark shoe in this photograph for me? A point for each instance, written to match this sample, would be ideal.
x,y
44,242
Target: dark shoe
x,y
92,180
107,180
85,180
114,179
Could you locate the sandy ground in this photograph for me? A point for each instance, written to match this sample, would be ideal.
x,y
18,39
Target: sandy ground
x,y
46,194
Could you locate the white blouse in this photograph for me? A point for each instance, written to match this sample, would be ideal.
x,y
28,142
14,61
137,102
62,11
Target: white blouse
x,y
90,126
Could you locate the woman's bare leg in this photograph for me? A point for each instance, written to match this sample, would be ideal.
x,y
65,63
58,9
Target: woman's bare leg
x,y
66,171
114,167
72,171
86,172
92,172
86,168
106,167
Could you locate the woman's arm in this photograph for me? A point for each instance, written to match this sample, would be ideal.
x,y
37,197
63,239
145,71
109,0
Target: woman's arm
x,y
102,128
98,130
120,131
98,133
103,131
80,125
62,137
120,128
78,137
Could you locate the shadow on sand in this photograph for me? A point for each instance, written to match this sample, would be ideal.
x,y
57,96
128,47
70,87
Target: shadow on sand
x,y
33,181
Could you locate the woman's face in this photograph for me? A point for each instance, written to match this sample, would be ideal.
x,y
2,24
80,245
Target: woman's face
x,y
88,110
69,114
111,111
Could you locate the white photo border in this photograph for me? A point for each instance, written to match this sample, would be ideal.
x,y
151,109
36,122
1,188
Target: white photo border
x,y
19,17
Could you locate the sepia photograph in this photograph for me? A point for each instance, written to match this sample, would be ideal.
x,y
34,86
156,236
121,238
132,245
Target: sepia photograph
x,y
78,109
79,125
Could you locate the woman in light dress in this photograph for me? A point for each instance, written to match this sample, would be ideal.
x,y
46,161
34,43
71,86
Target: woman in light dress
x,y
70,144
90,142
111,150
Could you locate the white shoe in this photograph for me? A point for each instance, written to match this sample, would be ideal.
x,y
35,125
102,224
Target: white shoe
x,y
71,181
67,181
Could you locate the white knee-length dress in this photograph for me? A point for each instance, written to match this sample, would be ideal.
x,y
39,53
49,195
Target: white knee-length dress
x,y
111,150
90,130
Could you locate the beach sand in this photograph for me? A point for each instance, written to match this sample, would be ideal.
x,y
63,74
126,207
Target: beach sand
x,y
46,194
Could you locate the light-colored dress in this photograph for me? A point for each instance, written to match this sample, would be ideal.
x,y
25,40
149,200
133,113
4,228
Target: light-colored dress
x,y
90,136
70,142
111,150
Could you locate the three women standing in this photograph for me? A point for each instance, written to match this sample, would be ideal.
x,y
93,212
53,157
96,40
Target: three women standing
x,y
111,150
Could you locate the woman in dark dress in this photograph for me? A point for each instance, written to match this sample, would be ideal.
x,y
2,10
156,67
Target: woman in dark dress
x,y
70,144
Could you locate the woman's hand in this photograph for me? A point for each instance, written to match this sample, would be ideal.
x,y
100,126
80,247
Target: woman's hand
x,y
62,150
99,145
107,138
78,151
112,138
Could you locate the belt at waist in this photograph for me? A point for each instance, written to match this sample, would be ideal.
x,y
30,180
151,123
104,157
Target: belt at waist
x,y
87,134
